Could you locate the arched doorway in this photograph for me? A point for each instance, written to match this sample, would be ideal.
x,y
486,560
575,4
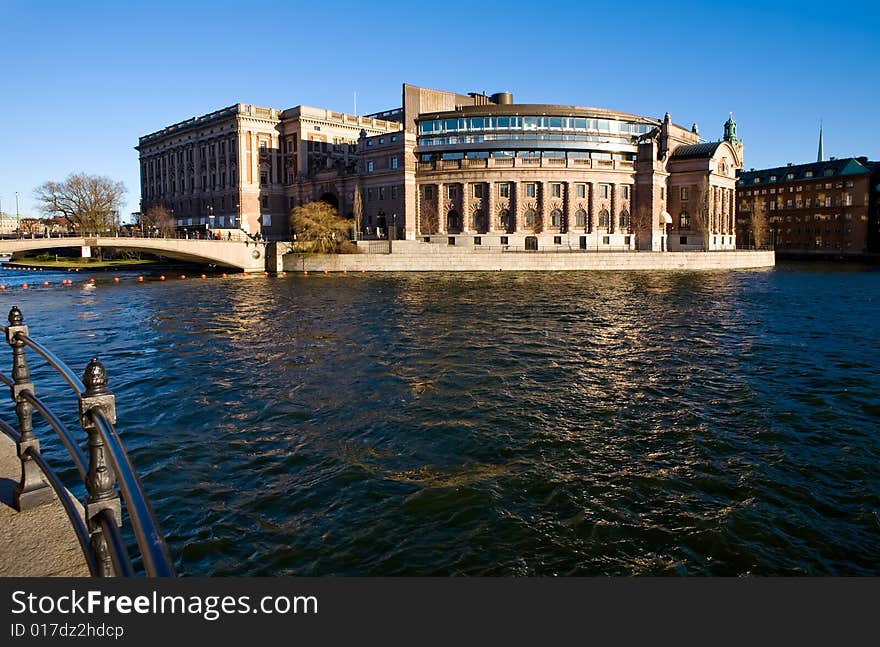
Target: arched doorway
x,y
453,222
330,199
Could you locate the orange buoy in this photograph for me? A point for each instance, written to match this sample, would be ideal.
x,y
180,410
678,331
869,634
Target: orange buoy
x,y
92,280
265,273
223,275
204,277
283,273
183,276
326,272
140,279
2,287
45,282
162,278
116,279
305,272
24,286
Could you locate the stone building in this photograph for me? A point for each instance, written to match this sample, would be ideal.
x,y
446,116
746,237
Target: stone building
x,y
245,167
825,206
455,169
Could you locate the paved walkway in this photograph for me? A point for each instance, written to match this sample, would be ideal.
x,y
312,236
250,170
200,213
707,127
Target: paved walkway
x,y
38,542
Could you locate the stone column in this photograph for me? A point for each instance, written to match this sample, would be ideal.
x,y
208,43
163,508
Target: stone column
x,y
441,211
273,151
592,214
567,214
615,208
514,205
466,188
543,204
732,210
490,206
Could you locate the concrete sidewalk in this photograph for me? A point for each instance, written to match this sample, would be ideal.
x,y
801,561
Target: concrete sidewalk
x,y
38,542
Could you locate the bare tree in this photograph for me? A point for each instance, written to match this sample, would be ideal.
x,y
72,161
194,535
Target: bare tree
x,y
358,211
90,203
157,218
759,222
318,225
31,226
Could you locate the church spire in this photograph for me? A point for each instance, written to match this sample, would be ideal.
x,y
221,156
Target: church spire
x,y
821,156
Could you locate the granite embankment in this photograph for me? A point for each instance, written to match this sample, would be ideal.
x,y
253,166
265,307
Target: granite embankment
x,y
411,256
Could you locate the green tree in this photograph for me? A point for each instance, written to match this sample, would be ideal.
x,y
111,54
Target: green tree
x,y
90,203
318,225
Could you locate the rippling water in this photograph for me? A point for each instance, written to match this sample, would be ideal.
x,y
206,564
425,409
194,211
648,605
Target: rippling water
x,y
494,423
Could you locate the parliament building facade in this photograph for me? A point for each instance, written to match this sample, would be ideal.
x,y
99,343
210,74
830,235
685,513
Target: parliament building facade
x,y
453,169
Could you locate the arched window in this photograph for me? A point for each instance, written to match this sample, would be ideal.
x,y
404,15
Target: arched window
x,y
453,221
624,219
504,217
556,218
604,219
529,218
580,218
684,221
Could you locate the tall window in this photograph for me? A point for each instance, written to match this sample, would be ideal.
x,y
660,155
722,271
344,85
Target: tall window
x,y
504,190
429,193
478,190
624,219
580,218
604,191
582,190
604,218
393,162
529,217
504,218
531,190
451,191
684,193
556,218
556,190
684,221
370,167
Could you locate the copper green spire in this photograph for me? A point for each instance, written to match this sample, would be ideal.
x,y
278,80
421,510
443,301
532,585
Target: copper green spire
x,y
730,130
821,156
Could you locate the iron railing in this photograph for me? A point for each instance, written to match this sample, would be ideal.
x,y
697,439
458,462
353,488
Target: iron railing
x,y
105,469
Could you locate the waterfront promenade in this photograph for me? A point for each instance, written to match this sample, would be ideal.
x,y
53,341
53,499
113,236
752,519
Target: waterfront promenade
x,y
38,542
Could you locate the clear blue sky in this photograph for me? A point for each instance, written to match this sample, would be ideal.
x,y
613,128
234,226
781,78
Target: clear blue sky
x,y
80,81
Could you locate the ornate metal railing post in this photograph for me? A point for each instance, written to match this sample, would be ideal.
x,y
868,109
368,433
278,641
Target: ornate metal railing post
x,y
32,490
101,479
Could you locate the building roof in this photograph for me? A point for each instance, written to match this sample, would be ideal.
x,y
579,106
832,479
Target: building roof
x,y
800,172
696,150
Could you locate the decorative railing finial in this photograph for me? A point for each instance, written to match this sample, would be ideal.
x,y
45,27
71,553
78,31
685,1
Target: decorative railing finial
x,y
95,378
15,316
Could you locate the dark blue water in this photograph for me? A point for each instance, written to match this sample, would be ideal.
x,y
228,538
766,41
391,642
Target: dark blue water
x,y
494,424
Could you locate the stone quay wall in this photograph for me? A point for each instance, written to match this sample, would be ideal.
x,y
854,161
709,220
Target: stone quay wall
x,y
412,256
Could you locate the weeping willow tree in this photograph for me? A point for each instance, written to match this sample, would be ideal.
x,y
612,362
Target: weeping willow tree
x,y
318,226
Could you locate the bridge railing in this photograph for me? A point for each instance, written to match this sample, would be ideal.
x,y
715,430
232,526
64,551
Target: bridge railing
x,y
195,234
105,470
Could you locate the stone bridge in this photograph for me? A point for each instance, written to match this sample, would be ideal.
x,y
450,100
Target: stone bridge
x,y
246,255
